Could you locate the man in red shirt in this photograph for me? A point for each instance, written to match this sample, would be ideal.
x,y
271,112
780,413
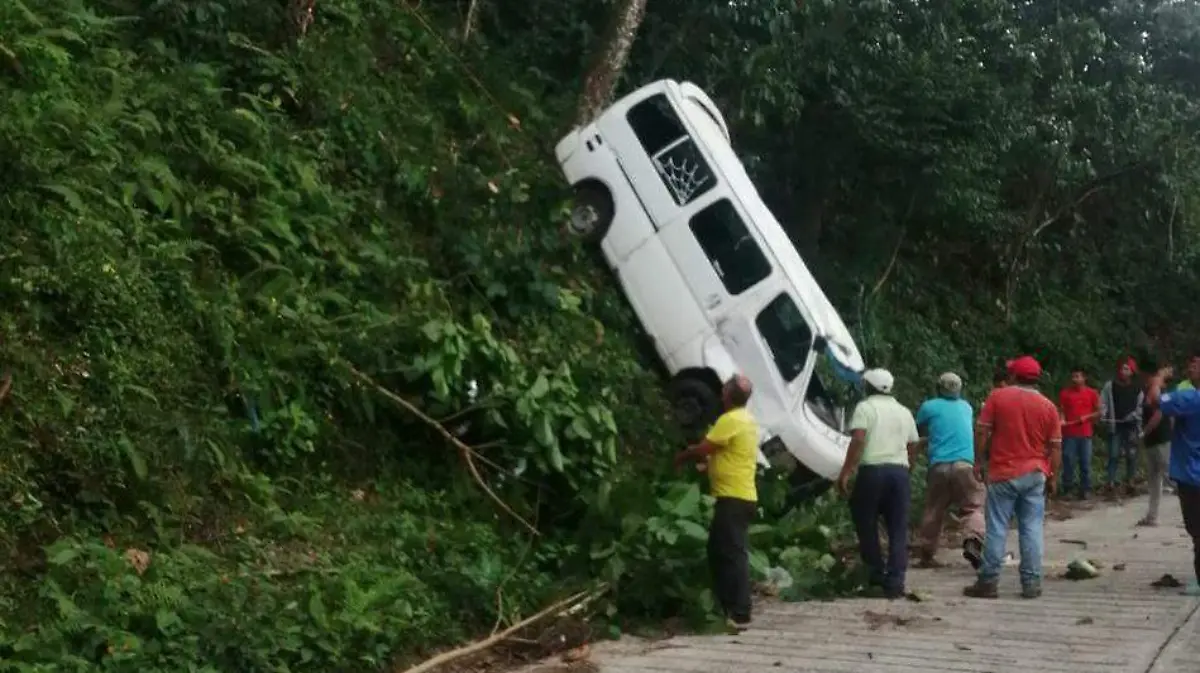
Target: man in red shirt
x,y
1020,432
1080,405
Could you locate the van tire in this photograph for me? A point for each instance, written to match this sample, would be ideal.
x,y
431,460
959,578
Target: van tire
x,y
695,403
591,212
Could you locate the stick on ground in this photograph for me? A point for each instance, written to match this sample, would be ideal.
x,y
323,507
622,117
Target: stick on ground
x,y
481,645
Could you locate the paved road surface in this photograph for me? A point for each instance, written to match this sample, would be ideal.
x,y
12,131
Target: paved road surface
x,y
1116,623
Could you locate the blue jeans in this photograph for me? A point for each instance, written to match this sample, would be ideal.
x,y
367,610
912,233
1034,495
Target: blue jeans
x,y
882,492
1122,444
1025,497
1077,456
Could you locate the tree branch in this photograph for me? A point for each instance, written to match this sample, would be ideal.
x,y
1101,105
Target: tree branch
x,y
472,20
1170,230
480,645
1089,190
467,453
511,574
463,412
912,202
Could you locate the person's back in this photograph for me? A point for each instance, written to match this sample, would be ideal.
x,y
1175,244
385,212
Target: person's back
x,y
1023,422
890,428
882,435
946,421
951,429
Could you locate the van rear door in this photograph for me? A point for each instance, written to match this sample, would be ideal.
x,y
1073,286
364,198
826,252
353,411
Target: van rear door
x,y
659,156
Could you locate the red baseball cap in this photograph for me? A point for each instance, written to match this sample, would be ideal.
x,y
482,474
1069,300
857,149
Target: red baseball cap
x,y
1024,367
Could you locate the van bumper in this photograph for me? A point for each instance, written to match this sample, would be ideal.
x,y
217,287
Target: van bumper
x,y
567,146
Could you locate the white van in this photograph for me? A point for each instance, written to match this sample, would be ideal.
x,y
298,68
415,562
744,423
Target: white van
x,y
716,282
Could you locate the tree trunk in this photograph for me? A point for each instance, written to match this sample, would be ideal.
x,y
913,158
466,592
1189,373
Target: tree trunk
x,y
472,21
602,76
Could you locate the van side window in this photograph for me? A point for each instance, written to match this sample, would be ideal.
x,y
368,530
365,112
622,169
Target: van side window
x,y
788,337
662,134
734,254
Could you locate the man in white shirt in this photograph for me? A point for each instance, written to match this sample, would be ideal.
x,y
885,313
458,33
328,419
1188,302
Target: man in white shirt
x,y
883,441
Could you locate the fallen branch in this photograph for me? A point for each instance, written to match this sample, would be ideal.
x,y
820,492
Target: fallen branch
x,y
481,645
467,453
512,573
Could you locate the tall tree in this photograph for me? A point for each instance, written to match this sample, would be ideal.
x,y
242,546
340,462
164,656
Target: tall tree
x,y
610,60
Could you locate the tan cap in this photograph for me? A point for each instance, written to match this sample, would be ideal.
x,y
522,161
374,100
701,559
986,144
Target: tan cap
x,y
949,382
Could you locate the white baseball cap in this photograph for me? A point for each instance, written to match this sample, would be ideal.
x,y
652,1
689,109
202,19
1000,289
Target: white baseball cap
x,y
880,379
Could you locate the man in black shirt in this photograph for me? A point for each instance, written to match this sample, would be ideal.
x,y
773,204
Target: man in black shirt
x,y
1121,409
1156,438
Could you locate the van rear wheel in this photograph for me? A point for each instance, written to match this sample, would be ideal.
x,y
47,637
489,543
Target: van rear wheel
x,y
591,212
695,404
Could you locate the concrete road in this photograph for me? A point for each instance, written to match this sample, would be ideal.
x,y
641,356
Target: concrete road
x,y
1117,622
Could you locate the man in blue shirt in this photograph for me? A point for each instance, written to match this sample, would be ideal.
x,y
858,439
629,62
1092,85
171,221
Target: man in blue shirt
x,y
1183,406
946,422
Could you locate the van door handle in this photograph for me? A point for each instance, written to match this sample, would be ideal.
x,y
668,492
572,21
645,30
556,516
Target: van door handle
x,y
713,301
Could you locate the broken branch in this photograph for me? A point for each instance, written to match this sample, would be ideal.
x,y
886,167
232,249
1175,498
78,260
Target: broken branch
x,y
511,573
480,645
899,243
467,453
463,412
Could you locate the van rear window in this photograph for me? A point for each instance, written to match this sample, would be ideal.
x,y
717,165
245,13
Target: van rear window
x,y
733,252
680,166
787,335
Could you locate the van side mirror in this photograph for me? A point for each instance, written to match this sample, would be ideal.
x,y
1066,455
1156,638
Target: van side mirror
x,y
820,343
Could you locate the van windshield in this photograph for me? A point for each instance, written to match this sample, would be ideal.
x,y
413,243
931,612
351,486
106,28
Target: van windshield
x,y
824,403
787,335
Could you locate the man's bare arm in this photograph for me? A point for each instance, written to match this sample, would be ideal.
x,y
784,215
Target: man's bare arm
x,y
1054,453
858,441
696,452
914,450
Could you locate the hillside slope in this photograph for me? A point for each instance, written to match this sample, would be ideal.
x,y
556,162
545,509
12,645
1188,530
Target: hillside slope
x,y
214,229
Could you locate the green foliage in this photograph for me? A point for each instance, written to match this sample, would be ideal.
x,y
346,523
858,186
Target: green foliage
x,y
301,594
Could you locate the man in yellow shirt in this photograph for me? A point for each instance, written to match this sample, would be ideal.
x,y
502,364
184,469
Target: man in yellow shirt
x,y
731,448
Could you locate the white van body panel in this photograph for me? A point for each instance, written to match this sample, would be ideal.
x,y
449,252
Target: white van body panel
x,y
681,296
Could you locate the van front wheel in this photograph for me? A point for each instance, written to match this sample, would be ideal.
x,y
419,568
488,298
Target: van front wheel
x,y
695,404
591,212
